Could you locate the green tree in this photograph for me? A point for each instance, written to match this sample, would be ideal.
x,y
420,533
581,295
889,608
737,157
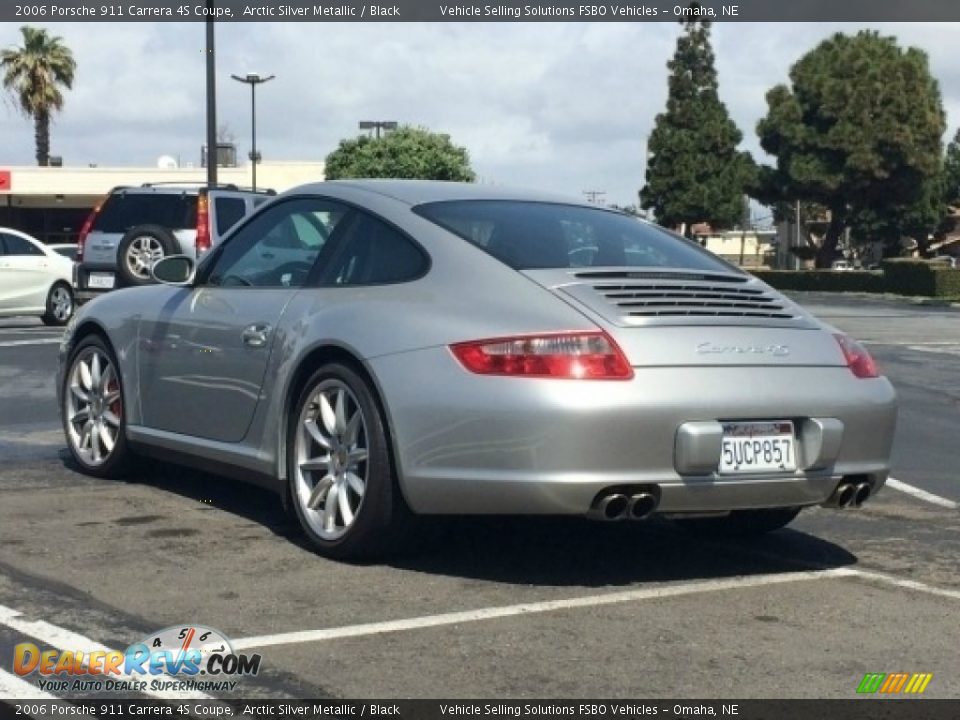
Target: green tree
x,y
406,152
951,178
858,131
694,171
33,75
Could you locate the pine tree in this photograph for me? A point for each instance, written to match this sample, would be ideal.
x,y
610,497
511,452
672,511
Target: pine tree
x,y
694,171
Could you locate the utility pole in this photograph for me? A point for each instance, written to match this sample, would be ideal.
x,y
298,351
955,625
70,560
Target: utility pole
x,y
594,195
796,258
211,102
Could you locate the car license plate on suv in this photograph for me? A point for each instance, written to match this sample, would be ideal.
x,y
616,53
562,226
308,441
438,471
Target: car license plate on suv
x,y
756,447
100,280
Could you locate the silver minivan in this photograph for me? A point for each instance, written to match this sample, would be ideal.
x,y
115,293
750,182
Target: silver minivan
x,y
136,226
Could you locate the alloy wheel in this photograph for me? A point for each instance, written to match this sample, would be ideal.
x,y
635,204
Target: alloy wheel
x,y
331,463
94,406
62,304
142,253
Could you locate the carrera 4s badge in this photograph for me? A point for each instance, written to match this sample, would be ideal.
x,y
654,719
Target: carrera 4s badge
x,y
709,348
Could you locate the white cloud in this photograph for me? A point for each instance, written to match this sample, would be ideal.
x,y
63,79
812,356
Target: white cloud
x,y
560,106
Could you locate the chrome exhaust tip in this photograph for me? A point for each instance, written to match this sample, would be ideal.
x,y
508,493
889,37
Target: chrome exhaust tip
x,y
641,505
845,495
861,494
613,506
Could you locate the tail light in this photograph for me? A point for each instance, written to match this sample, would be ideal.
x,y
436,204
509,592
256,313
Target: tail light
x,y
202,242
572,356
858,359
86,228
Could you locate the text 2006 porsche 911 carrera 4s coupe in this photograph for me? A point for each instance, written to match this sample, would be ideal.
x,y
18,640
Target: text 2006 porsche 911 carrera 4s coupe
x,y
375,350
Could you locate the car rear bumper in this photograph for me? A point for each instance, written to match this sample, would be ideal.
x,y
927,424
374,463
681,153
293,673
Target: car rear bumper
x,y
81,277
472,444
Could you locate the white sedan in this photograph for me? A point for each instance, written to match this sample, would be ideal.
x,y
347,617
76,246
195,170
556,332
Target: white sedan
x,y
34,279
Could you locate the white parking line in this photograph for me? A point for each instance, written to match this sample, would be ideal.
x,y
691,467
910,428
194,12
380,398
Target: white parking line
x,y
908,584
38,341
455,618
13,688
64,639
921,494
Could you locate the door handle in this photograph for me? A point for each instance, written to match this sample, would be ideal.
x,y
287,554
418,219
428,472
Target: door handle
x,y
256,336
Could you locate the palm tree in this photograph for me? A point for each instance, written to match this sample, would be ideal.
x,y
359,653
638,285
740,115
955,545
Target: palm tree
x,y
33,75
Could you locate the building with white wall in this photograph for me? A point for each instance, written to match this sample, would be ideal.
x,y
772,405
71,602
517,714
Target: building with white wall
x,y
52,203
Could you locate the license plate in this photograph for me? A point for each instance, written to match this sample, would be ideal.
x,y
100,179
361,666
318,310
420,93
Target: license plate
x,y
100,280
757,447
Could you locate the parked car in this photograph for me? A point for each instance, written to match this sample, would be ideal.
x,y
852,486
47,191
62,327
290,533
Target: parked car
x,y
425,347
841,265
136,226
34,279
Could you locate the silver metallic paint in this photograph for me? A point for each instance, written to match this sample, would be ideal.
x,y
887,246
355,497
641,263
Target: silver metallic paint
x,y
473,444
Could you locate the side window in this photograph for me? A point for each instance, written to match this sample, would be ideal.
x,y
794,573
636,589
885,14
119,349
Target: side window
x,y
279,247
229,211
374,253
18,246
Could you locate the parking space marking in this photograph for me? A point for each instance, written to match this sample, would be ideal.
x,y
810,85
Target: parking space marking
x,y
907,584
921,494
13,688
492,613
64,639
38,341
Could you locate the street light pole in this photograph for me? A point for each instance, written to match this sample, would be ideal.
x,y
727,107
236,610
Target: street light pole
x,y
253,79
377,125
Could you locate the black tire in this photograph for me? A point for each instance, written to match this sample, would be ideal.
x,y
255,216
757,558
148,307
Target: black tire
x,y
118,459
740,523
381,521
60,305
133,258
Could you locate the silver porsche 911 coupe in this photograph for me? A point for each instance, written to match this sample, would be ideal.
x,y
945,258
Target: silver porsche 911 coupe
x,y
377,350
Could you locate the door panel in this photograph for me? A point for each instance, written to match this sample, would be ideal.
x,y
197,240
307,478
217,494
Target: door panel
x,y
201,369
204,353
25,276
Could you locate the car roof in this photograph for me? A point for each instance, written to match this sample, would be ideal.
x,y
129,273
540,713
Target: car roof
x,y
416,192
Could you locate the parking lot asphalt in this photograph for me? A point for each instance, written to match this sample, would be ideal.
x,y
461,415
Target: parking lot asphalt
x,y
493,607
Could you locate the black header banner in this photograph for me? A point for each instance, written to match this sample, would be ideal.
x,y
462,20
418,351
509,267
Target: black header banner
x,y
479,11
861,709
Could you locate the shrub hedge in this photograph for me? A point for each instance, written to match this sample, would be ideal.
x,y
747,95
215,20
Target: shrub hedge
x,y
824,280
899,276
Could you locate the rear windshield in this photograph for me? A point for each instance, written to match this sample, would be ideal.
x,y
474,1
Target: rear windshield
x,y
122,211
529,235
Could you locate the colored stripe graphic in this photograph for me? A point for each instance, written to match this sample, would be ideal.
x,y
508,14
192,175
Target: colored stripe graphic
x,y
893,683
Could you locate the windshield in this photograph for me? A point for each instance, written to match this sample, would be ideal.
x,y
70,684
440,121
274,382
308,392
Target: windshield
x,y
529,235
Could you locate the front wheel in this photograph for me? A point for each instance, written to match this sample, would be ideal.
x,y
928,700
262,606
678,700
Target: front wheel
x,y
93,409
338,461
740,523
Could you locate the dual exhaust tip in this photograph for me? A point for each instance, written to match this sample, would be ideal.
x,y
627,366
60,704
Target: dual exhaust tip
x,y
850,495
620,506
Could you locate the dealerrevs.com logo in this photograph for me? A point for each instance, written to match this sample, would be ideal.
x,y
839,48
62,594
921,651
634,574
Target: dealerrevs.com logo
x,y
181,657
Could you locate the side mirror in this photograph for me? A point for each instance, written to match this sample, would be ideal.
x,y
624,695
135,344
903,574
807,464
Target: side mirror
x,y
174,270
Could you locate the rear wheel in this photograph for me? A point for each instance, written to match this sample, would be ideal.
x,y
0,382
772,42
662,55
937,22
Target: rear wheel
x,y
740,523
59,305
341,477
93,409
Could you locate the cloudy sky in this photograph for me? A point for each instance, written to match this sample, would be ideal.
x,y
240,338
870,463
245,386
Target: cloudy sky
x,y
559,106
